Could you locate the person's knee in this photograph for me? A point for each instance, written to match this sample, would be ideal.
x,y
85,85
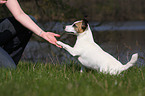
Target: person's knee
x,y
6,61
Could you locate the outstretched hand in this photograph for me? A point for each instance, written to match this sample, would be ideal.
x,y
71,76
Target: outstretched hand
x,y
50,37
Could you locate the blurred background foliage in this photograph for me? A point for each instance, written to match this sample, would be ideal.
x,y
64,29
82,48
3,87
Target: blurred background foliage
x,y
70,10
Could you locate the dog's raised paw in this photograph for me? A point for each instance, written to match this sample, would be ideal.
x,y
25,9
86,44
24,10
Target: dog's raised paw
x,y
59,43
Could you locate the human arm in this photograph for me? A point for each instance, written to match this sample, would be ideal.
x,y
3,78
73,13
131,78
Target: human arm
x,y
25,20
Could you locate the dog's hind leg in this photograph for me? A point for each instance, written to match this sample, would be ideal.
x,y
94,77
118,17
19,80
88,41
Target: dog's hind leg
x,y
82,69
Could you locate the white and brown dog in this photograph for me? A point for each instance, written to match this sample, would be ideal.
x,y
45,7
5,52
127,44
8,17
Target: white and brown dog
x,y
90,54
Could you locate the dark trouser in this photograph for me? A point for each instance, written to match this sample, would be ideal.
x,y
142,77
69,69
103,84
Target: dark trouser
x,y
13,39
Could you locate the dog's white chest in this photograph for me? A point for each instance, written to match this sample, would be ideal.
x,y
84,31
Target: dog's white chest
x,y
89,54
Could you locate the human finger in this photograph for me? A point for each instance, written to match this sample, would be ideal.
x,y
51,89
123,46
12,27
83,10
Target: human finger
x,y
57,35
2,2
57,45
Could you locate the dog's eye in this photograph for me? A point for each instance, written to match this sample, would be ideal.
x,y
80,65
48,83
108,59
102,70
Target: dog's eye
x,y
74,25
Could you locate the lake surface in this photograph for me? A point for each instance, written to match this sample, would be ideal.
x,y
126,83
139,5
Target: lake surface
x,y
120,26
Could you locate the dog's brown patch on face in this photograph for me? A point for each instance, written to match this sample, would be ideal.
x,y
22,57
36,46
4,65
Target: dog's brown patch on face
x,y
79,27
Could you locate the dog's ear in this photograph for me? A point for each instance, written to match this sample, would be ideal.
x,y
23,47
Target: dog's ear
x,y
84,24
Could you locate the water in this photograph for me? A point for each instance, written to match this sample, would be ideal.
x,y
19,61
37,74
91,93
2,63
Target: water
x,y
120,26
119,39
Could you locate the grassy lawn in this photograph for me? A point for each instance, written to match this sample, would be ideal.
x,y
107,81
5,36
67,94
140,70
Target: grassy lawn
x,y
36,79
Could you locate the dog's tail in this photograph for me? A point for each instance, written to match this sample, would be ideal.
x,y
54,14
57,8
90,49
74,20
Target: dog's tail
x,y
131,62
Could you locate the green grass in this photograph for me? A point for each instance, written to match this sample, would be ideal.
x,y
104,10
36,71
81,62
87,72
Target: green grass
x,y
36,79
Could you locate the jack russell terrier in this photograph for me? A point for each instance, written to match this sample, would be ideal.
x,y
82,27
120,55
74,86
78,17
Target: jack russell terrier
x,y
90,54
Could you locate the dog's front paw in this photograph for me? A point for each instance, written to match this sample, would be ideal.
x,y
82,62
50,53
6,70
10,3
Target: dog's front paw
x,y
59,43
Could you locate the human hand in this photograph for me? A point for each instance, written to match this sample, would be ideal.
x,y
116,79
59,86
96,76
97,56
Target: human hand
x,y
50,37
3,1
